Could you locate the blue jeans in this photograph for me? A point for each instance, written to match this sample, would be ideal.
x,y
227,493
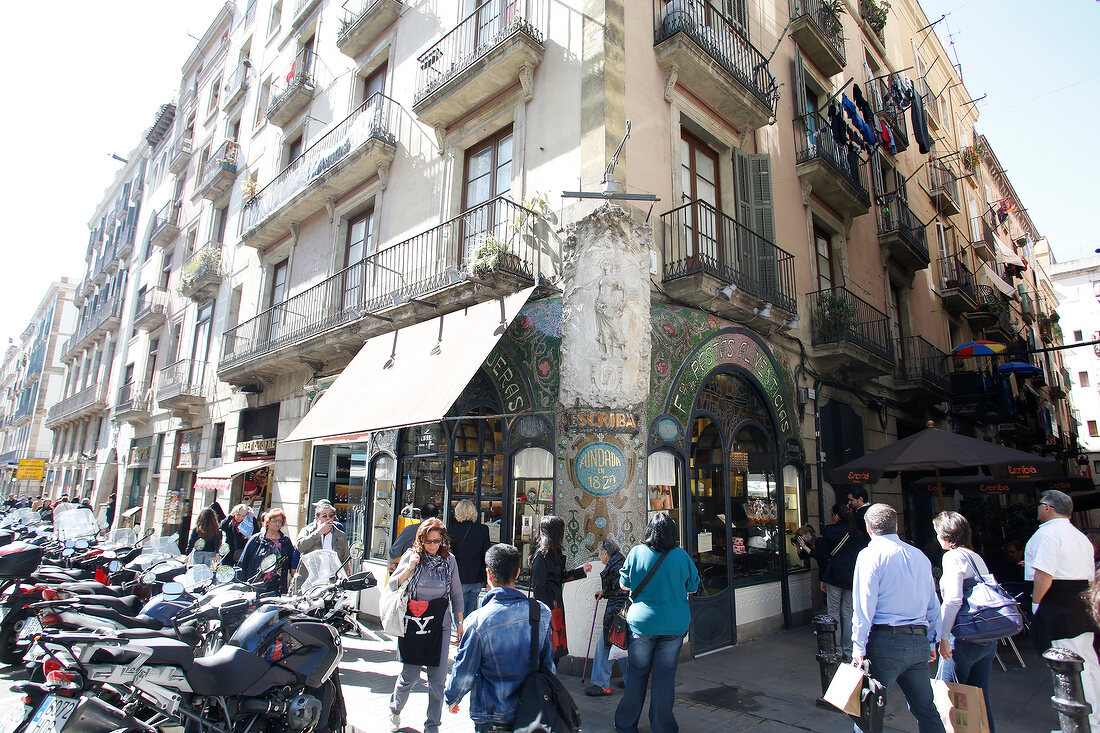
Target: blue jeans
x,y
601,665
656,655
470,593
903,658
971,664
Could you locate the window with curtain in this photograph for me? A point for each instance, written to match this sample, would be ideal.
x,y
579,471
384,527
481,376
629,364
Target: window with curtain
x,y
664,485
533,484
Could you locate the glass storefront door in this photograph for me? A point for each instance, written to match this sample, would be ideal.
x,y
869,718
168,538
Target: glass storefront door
x,y
533,482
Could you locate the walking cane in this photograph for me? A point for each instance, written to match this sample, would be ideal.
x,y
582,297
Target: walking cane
x,y
591,634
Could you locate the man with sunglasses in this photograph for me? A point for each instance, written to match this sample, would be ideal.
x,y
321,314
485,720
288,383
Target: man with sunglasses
x,y
1058,559
323,533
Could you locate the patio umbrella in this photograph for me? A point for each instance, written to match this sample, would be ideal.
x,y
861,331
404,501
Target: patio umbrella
x,y
1019,367
984,484
977,348
938,450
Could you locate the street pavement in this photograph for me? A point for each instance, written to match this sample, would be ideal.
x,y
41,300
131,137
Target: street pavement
x,y
769,685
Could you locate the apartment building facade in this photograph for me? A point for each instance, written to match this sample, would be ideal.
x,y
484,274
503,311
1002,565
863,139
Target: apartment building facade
x,y
391,255
31,381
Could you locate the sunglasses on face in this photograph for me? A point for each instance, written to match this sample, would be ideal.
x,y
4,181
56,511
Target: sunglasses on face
x,y
433,542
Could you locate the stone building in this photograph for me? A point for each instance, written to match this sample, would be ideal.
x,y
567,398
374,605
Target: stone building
x,y
558,257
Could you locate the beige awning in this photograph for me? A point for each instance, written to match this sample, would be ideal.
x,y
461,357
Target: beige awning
x,y
222,477
409,376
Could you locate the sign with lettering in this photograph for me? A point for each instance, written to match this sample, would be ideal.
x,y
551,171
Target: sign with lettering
x,y
190,443
30,469
1015,470
263,445
607,421
600,469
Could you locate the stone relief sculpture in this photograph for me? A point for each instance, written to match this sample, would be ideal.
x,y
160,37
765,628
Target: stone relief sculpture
x,y
605,331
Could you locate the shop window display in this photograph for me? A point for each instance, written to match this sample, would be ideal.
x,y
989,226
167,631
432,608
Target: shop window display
x,y
533,481
753,497
792,513
382,481
477,468
664,485
423,462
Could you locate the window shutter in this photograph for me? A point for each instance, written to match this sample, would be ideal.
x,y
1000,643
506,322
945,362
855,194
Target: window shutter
x,y
318,487
763,214
876,174
799,85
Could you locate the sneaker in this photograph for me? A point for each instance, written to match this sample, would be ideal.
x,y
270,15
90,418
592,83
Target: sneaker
x,y
395,722
597,691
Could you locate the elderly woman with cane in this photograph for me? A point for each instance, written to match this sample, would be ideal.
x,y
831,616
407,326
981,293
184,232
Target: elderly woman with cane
x,y
612,558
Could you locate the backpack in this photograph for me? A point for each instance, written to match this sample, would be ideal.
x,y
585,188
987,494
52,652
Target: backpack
x,y
543,700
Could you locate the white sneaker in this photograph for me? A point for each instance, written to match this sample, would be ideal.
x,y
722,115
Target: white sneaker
x,y
395,722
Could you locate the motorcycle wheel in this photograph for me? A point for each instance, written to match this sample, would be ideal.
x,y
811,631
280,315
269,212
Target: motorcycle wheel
x,y
337,714
10,651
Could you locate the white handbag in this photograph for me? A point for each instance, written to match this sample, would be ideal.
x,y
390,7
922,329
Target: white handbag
x,y
392,605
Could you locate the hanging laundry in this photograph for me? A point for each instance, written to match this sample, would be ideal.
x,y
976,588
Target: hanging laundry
x,y
840,130
920,124
862,106
887,138
853,115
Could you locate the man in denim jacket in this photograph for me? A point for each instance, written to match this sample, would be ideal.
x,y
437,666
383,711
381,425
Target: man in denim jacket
x,y
494,655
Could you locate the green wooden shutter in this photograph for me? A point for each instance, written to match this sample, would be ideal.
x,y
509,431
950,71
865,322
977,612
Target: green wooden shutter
x,y
799,84
763,213
746,243
318,487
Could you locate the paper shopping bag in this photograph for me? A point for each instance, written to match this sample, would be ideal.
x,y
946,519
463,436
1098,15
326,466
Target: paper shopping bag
x,y
961,707
843,692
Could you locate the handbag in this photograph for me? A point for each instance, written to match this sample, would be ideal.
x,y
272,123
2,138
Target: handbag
x,y
391,608
619,633
988,611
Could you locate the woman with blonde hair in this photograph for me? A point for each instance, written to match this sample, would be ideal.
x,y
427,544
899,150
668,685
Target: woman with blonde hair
x,y
432,574
271,542
469,543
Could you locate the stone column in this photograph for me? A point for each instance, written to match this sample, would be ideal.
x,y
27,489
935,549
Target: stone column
x,y
605,367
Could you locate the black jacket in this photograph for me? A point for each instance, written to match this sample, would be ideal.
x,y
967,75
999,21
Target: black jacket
x,y
841,568
469,543
548,573
612,590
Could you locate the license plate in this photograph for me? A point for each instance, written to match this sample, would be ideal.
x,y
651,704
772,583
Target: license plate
x,y
13,717
51,715
30,628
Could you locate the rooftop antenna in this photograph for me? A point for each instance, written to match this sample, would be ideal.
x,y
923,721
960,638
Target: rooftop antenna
x,y
610,187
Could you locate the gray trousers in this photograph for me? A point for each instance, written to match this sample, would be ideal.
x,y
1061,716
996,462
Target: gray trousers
x,y
437,681
840,608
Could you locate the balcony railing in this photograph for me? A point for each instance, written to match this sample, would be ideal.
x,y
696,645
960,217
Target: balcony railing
x,y
152,305
134,398
201,271
828,23
499,232
185,380
108,310
943,183
492,23
880,94
702,239
362,22
895,216
166,226
371,121
181,152
813,139
839,315
220,169
956,275
874,13
237,84
301,74
710,28
89,399
920,360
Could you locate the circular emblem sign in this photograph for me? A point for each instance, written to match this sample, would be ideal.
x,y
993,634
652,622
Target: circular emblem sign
x,y
667,429
600,469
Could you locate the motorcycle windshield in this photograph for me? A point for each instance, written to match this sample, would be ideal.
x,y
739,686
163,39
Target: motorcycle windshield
x,y
20,516
195,577
125,537
162,546
74,524
321,566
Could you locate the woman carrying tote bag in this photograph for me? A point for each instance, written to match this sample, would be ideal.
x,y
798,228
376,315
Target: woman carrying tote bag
x,y
434,587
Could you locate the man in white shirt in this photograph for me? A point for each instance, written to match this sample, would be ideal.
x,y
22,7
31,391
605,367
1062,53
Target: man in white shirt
x,y
1058,558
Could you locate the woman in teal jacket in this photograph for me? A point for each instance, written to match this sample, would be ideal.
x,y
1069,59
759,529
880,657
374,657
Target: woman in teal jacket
x,y
658,620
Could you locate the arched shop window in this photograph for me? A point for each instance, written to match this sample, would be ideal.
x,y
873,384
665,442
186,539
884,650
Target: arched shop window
x,y
792,512
664,485
533,482
477,468
708,540
382,485
422,471
755,504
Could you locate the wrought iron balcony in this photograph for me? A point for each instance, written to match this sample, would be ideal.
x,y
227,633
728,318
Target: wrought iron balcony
x,y
943,187
91,400
874,12
135,402
181,153
979,391
302,11
818,33
293,90
361,26
151,310
201,274
500,243
697,44
706,251
166,226
985,246
183,386
488,51
887,107
836,175
902,233
849,334
219,172
360,146
237,84
922,369
104,319
960,294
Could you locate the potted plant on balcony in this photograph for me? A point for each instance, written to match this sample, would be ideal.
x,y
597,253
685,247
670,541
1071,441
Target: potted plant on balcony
x,y
834,313
207,260
875,12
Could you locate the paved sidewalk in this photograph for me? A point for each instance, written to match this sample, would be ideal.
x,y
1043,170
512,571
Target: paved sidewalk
x,y
764,686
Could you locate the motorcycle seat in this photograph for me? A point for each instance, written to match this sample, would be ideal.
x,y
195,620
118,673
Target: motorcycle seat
x,y
128,605
187,633
131,622
233,671
166,652
90,587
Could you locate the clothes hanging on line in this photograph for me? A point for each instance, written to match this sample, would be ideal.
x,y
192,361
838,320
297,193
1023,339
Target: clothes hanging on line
x,y
862,106
887,138
853,114
920,124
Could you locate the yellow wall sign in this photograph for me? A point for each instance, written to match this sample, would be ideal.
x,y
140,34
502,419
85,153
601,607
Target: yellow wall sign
x,y
30,469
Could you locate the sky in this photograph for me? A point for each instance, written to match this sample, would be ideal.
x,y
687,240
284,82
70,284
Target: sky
x,y
87,79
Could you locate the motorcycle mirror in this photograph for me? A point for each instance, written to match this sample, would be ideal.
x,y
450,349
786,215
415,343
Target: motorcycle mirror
x,y
114,566
224,574
172,590
148,578
68,552
268,563
81,544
